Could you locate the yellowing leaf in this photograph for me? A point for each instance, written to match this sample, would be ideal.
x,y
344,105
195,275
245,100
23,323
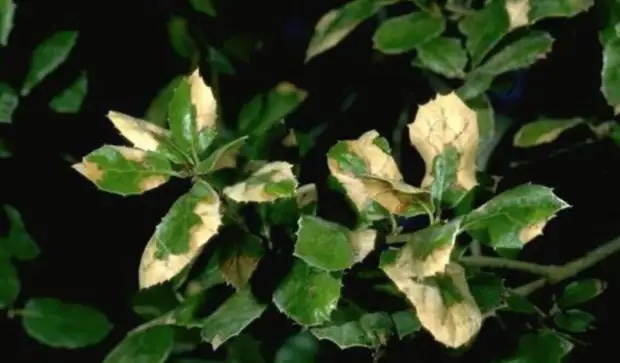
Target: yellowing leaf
x,y
369,174
362,243
196,216
443,303
272,181
442,122
142,134
306,194
203,100
517,12
543,131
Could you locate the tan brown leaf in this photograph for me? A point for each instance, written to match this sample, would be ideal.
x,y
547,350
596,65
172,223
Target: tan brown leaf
x,y
89,170
142,134
203,100
362,243
306,194
518,13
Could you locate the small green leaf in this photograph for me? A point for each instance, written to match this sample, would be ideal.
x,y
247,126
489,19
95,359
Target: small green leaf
x,y
266,109
611,74
302,347
557,8
157,112
484,29
516,216
47,56
239,258
444,189
7,12
64,325
234,315
70,100
180,38
443,55
307,295
244,349
369,331
152,345
123,170
520,304
204,6
154,302
574,321
406,323
220,63
223,157
337,24
18,243
543,131
209,276
9,283
8,102
406,32
323,244
580,291
487,290
608,12
544,346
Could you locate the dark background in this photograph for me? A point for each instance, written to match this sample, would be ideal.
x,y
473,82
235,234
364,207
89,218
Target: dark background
x,y
92,241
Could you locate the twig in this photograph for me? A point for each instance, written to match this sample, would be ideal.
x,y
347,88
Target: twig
x,y
496,262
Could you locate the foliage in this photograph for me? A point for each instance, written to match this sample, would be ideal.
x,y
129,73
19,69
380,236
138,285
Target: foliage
x,y
246,207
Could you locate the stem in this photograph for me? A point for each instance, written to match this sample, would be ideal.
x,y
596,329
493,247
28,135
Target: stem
x,y
496,262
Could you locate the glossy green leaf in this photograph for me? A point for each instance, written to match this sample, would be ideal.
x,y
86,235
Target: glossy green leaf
x,y
182,118
239,258
204,6
18,243
484,29
580,291
180,38
266,109
8,103
47,56
10,285
406,32
323,244
406,323
337,24
307,295
608,12
234,315
520,304
516,216
544,346
60,324
302,347
487,289
611,74
574,321
369,331
223,157
557,8
70,100
443,55
123,170
7,13
152,345
543,131
157,111
244,349
220,63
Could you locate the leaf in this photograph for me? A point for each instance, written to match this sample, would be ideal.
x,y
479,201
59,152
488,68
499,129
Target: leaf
x,y
544,130
203,100
244,349
611,74
557,8
520,304
486,129
406,323
234,315
543,346
608,13
220,62
404,33
487,289
157,113
47,56
369,331
371,177
266,109
60,324
447,122
580,291
181,235
516,216
10,285
204,6
154,302
180,37
223,157
307,295
574,321
152,345
7,13
484,29
18,243
337,24
123,170
444,189
209,277
443,302
238,259
330,246
302,347
70,100
272,181
443,55
8,102
5,152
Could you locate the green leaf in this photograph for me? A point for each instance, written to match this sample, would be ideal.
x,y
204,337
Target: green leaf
x,y
484,29
47,56
8,102
543,131
544,346
307,295
574,321
7,12
406,32
239,258
337,24
302,347
369,331
516,216
9,283
266,109
234,315
70,100
520,304
608,12
209,276
557,8
60,324
125,171
152,345
487,289
323,244
443,55
444,189
220,63
180,38
182,118
204,6
486,129
244,349
406,323
611,74
157,112
154,302
18,243
223,157
580,291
